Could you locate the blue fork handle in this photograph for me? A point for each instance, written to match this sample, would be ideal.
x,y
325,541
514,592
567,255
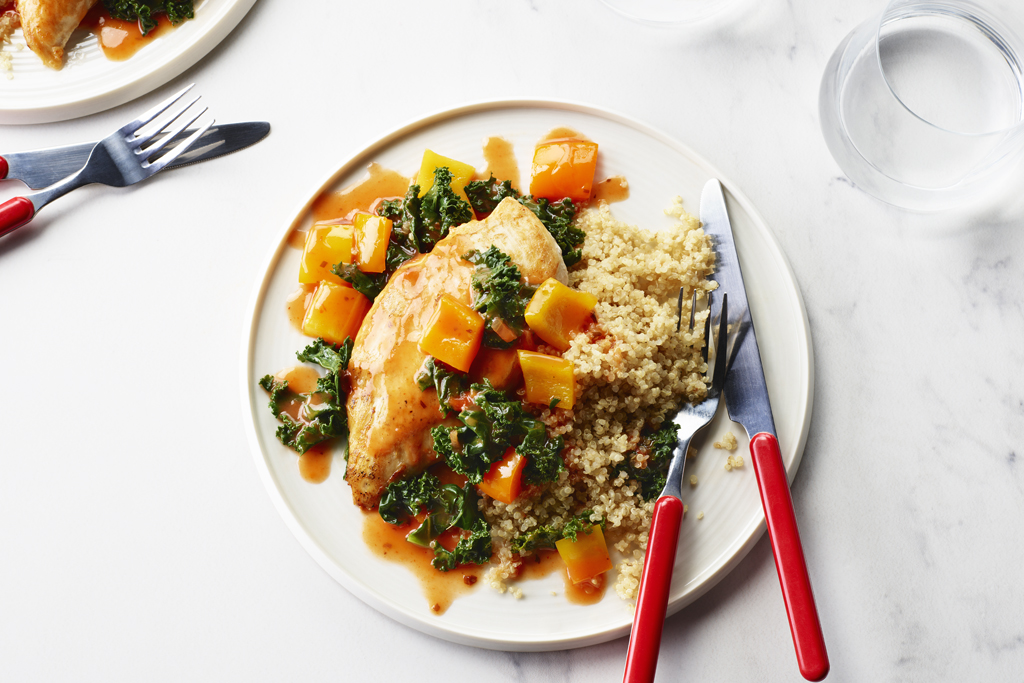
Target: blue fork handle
x,y
652,601
15,213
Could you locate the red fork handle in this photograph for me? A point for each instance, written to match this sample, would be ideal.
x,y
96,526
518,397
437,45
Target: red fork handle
x,y
4,168
15,213
652,601
789,557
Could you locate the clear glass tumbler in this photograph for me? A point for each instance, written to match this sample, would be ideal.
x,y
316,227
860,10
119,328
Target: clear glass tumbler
x,y
923,106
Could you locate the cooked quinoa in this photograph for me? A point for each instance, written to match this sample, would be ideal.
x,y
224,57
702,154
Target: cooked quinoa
x,y
631,368
728,442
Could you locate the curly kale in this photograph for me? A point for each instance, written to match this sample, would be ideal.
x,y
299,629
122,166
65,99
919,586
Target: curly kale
x,y
485,195
444,507
498,293
367,284
492,425
441,208
406,227
320,414
143,11
446,380
659,447
544,537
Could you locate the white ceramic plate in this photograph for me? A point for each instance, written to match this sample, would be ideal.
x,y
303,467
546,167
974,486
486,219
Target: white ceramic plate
x,y
658,168
89,82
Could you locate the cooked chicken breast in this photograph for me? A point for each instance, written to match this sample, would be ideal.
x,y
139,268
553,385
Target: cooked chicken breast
x,y
389,417
47,25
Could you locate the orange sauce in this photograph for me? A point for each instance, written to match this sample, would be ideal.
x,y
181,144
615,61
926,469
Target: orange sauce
x,y
380,182
121,39
439,588
301,378
297,239
614,189
546,562
315,463
501,161
563,132
298,302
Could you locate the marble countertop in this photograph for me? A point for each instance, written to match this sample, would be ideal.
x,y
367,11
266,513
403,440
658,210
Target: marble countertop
x,y
137,541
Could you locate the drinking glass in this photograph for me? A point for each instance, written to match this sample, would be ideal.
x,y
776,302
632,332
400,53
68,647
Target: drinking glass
x,y
923,106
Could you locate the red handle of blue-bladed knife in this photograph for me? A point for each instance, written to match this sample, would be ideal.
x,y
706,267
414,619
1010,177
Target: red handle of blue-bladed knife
x,y
652,600
15,213
789,557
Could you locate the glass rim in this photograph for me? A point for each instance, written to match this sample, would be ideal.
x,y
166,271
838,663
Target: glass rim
x,y
980,18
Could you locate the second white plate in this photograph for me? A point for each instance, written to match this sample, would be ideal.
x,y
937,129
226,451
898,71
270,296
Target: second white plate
x,y
658,168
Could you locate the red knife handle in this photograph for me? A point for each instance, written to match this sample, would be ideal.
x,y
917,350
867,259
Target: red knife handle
x,y
655,582
15,213
789,557
4,168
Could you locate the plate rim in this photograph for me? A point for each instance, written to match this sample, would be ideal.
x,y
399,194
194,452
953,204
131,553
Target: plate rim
x,y
752,533
126,88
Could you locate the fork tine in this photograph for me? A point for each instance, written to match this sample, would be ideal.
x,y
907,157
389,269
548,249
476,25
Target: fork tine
x,y
180,149
172,115
148,152
132,127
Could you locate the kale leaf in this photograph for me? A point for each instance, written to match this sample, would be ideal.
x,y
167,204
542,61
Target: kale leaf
x,y
143,11
544,537
441,210
446,380
446,507
659,447
367,284
491,425
320,414
498,292
484,196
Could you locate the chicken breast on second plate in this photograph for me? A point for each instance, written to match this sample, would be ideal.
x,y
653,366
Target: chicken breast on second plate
x,y
389,417
47,25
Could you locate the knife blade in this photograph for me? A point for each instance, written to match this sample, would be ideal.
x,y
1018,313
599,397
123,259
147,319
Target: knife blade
x,y
746,396
44,167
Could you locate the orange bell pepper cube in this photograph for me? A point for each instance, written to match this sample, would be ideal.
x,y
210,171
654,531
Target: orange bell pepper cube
x,y
499,366
372,235
556,312
325,246
564,168
587,556
504,481
453,333
461,173
547,378
335,313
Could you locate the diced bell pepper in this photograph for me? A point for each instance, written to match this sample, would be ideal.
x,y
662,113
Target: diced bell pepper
x,y
504,481
326,245
499,366
564,168
453,333
547,378
462,173
335,313
556,312
587,556
372,236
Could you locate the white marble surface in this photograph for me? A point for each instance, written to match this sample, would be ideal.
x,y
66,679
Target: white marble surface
x,y
136,539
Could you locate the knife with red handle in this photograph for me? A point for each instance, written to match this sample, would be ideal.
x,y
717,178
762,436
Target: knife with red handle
x,y
746,395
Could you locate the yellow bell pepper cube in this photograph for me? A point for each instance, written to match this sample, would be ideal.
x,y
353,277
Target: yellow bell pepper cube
x,y
504,480
325,246
547,378
335,313
462,173
564,168
556,312
587,556
372,235
453,333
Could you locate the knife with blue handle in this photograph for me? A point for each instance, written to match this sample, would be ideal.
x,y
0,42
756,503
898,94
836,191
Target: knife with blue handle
x,y
44,167
746,396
